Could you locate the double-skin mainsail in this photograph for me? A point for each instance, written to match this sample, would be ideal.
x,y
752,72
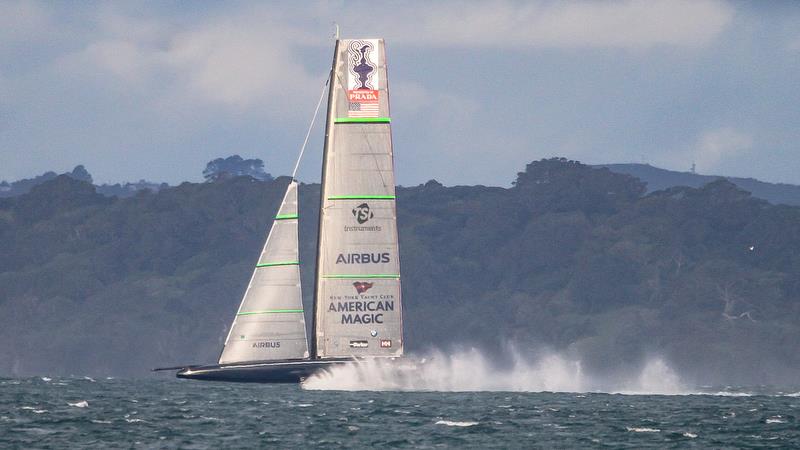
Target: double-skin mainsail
x,y
357,302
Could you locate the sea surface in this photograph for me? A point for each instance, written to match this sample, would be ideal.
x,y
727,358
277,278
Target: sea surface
x,y
161,412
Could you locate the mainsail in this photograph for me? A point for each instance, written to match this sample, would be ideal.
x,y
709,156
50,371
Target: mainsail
x,y
358,310
270,324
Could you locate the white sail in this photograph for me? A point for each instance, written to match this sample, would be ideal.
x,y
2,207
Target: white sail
x,y
358,310
270,324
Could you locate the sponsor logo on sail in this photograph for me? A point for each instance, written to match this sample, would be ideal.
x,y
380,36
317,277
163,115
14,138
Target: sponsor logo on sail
x,y
359,344
362,93
362,213
361,312
362,286
267,344
386,343
363,258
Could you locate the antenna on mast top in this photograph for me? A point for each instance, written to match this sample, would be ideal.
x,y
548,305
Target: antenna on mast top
x,y
336,35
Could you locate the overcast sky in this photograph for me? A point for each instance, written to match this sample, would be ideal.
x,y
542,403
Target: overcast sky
x,y
154,90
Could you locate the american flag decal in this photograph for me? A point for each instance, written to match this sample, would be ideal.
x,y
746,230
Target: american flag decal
x,y
363,103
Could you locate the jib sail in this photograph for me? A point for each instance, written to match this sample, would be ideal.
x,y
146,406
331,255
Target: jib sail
x,y
270,324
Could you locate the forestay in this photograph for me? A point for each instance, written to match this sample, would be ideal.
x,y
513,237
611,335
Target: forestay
x,y
270,324
358,308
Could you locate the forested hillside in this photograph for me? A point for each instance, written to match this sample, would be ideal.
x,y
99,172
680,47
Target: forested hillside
x,y
571,257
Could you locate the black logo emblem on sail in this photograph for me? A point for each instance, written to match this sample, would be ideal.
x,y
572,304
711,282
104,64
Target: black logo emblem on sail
x,y
360,64
363,213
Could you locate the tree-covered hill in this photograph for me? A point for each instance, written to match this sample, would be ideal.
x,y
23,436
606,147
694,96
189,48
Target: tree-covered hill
x,y
571,257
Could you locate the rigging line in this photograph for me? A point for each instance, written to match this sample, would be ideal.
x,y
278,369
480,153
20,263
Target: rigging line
x,y
310,127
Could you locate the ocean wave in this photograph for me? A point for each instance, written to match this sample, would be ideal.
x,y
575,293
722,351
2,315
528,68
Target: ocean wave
x,y
727,394
451,423
80,404
33,409
775,419
642,430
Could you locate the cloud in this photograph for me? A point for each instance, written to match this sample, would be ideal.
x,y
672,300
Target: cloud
x,y
248,56
711,150
794,45
714,146
22,21
630,24
237,60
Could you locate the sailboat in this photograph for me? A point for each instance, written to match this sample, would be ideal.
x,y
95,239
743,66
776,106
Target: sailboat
x,y
357,301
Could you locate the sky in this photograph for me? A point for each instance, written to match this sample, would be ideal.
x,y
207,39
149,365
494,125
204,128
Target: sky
x,y
155,90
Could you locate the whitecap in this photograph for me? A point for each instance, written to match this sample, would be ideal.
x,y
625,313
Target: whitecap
x,y
47,379
352,428
33,409
775,419
134,420
100,421
89,379
80,404
643,430
730,394
451,423
689,435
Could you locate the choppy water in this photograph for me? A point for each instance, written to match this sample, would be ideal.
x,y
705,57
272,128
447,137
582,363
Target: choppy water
x,y
164,412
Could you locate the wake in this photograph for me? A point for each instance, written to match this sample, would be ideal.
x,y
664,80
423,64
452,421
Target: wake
x,y
470,371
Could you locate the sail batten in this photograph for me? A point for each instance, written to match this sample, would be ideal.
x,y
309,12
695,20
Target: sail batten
x,y
270,322
358,309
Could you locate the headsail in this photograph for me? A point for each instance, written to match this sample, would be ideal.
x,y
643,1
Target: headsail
x,y
270,324
358,309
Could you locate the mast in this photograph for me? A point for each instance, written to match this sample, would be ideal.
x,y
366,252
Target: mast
x,y
328,121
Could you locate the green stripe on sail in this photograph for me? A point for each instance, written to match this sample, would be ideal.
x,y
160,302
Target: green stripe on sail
x,y
362,120
286,216
282,263
270,311
361,197
355,277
